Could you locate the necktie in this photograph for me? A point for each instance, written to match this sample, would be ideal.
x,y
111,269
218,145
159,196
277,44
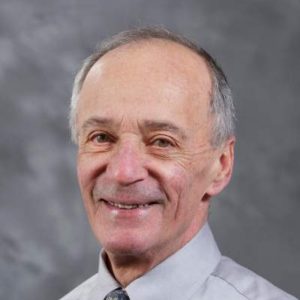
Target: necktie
x,y
117,294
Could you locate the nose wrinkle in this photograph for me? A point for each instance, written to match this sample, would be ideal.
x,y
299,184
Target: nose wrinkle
x,y
126,166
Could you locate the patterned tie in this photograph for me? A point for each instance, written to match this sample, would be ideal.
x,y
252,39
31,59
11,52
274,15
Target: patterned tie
x,y
117,294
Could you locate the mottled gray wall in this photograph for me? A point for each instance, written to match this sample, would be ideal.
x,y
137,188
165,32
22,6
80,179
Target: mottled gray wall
x,y
46,244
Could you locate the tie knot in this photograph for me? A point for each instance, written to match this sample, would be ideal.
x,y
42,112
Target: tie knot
x,y
117,294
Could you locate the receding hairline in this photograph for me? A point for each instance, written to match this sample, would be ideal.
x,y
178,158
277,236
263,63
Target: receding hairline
x,y
97,57
221,101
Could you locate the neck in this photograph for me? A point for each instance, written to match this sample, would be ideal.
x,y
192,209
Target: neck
x,y
127,268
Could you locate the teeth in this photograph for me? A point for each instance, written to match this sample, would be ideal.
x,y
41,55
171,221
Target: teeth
x,y
128,206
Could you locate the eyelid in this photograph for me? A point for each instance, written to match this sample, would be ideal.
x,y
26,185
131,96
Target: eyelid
x,y
165,138
95,133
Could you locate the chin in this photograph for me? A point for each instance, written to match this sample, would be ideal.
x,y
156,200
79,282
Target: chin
x,y
125,243
125,248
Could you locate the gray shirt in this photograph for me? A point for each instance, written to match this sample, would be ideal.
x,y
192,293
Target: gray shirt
x,y
196,272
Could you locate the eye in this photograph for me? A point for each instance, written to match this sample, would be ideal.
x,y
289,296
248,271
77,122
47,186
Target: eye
x,y
101,138
162,143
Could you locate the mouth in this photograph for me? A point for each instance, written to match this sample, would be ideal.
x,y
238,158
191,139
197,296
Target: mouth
x,y
126,206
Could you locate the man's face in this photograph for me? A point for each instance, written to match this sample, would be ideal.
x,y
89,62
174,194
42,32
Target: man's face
x,y
145,164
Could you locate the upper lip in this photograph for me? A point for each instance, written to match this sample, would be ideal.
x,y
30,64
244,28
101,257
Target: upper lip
x,y
130,197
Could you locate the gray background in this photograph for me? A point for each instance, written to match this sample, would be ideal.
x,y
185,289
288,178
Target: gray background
x,y
46,244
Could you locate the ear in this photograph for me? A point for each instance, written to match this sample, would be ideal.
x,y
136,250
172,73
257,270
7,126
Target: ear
x,y
223,168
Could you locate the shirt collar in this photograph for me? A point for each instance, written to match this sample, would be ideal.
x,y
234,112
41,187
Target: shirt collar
x,y
180,274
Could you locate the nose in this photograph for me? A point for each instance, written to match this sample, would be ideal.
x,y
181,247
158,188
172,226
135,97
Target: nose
x,y
126,166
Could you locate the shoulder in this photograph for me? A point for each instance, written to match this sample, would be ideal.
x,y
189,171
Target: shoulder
x,y
81,290
247,285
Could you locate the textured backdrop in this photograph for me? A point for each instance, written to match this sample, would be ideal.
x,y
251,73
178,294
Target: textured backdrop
x,y
46,247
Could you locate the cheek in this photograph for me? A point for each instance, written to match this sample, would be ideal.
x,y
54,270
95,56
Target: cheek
x,y
185,186
87,170
177,182
86,178
83,173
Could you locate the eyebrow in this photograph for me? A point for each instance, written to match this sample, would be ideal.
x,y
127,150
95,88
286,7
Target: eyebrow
x,y
97,121
147,125
151,125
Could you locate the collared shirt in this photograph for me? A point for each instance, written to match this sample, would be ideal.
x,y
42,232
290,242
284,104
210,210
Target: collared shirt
x,y
195,272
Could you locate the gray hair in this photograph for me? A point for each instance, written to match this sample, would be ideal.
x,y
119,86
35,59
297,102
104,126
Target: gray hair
x,y
221,105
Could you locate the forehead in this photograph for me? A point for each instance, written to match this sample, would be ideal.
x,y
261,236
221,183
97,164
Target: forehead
x,y
156,58
155,77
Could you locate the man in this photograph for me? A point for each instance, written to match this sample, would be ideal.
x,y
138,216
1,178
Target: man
x,y
153,118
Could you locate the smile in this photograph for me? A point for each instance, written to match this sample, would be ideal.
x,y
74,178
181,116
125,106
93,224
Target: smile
x,y
127,206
